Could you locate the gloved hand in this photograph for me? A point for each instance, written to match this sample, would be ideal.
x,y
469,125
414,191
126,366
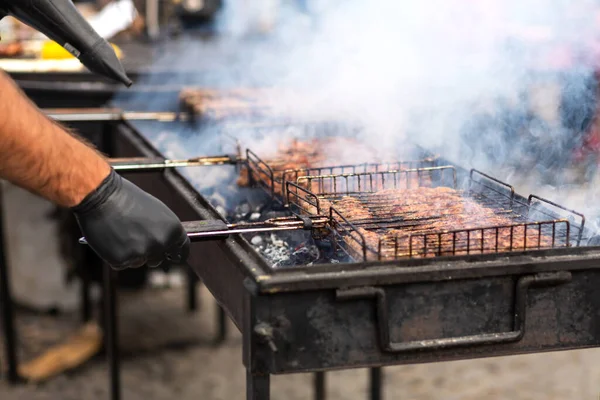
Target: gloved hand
x,y
129,228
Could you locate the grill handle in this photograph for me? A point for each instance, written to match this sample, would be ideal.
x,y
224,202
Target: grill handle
x,y
197,231
208,230
521,289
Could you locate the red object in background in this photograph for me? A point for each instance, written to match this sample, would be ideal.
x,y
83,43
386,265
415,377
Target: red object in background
x,y
590,146
591,141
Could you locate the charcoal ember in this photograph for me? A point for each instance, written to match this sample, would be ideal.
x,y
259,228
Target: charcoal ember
x,y
305,255
276,250
255,216
219,203
302,255
217,200
278,255
242,211
244,208
314,251
277,241
326,245
288,262
285,248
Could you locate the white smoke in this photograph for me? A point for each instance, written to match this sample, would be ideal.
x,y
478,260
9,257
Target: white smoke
x,y
409,69
418,70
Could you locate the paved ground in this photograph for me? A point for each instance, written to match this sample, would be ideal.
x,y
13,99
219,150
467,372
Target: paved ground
x,y
158,365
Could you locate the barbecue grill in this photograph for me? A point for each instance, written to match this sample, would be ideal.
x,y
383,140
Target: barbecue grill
x,y
376,188
373,313
495,289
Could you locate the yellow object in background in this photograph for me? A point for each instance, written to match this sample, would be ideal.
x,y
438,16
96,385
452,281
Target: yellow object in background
x,y
53,51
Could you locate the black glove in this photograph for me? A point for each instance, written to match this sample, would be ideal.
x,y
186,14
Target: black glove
x,y
129,228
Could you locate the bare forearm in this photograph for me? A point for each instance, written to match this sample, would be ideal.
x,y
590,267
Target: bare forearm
x,y
41,156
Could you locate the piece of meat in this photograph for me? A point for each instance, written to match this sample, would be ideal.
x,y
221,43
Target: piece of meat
x,y
333,165
230,103
427,222
295,158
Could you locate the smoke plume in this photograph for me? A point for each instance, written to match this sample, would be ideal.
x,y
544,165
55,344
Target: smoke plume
x,y
506,86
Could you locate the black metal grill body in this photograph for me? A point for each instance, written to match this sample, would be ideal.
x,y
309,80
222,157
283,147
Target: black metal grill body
x,y
406,311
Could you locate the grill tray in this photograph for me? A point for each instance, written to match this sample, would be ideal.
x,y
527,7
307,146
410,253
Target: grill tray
x,y
380,313
374,196
524,224
273,180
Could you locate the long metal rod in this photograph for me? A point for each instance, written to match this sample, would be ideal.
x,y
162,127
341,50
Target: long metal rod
x,y
218,229
117,114
226,232
219,234
113,114
138,164
152,19
215,230
319,385
192,289
86,301
110,300
376,377
221,325
111,332
8,322
258,386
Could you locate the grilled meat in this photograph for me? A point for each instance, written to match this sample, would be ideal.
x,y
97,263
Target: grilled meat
x,y
333,165
220,104
296,158
427,222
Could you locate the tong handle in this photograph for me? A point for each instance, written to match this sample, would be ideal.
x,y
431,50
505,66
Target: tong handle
x,y
199,230
206,229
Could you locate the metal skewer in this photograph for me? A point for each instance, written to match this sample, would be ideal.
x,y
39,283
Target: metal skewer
x,y
117,114
113,114
134,164
215,229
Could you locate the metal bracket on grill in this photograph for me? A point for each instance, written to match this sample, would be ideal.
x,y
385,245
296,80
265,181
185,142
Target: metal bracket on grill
x,y
300,200
522,286
571,219
308,224
495,185
258,170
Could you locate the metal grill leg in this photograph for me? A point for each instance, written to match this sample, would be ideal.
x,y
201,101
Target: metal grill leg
x,y
319,385
10,341
192,304
192,290
86,302
111,332
221,325
258,386
376,375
